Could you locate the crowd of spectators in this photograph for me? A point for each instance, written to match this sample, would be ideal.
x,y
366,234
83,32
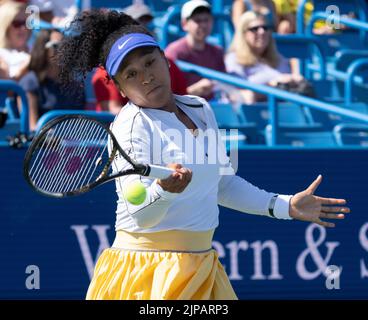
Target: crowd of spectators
x,y
27,57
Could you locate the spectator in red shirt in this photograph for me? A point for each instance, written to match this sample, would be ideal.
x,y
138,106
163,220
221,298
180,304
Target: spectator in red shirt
x,y
197,21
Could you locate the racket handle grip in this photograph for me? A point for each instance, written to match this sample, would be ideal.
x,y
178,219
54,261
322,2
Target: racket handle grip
x,y
159,172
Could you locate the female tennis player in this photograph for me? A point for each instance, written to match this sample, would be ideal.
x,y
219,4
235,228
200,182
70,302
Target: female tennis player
x,y
162,248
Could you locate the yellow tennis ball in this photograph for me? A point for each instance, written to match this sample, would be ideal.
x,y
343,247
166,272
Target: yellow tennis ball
x,y
135,193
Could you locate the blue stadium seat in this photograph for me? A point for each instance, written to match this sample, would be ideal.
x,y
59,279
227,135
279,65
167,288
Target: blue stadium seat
x,y
10,129
342,63
289,114
226,116
356,91
329,121
311,54
235,140
350,38
16,121
302,136
351,134
308,50
227,119
358,7
328,90
313,64
12,124
345,57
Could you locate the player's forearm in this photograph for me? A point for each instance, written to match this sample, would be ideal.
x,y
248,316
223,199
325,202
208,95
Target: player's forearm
x,y
238,194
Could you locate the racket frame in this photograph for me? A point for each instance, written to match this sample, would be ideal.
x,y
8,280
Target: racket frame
x,y
138,168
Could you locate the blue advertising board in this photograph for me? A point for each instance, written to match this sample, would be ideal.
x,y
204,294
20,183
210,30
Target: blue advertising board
x,y
61,239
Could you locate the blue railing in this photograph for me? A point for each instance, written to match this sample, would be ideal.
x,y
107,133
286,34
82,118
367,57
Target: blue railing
x,y
78,4
172,13
361,8
104,116
352,23
273,94
352,70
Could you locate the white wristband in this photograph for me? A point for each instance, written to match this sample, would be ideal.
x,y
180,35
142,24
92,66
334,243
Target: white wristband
x,y
279,207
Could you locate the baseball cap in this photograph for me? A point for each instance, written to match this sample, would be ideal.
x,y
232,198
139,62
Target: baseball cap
x,y
123,46
189,7
138,10
43,5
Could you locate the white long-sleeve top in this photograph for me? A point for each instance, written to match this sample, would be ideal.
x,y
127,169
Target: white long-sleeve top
x,y
154,136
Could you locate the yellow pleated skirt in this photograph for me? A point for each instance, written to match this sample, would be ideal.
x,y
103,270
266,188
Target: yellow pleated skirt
x,y
168,265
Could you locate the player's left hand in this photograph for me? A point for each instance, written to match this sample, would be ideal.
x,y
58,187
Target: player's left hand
x,y
306,206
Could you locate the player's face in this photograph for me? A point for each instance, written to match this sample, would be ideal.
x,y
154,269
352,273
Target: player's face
x,y
144,78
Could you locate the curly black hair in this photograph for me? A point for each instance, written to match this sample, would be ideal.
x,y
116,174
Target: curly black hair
x,y
88,41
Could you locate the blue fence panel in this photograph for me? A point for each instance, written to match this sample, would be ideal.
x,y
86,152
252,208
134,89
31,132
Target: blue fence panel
x,y
63,237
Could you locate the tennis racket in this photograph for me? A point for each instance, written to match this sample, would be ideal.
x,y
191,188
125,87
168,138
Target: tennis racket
x,y
70,156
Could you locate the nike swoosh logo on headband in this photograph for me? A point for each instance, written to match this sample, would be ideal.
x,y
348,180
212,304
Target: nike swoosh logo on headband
x,y
121,46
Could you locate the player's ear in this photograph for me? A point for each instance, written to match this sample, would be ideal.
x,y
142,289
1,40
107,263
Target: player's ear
x,y
121,91
164,57
116,82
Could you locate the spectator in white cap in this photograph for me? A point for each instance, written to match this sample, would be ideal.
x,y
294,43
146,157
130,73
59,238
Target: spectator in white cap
x,y
58,12
197,21
45,8
139,12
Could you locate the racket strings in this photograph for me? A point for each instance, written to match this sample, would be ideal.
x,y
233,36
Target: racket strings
x,y
44,158
71,172
71,155
97,161
62,154
91,136
49,164
88,173
54,180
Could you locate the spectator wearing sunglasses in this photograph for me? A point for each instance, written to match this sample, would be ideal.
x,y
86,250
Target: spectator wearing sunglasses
x,y
44,93
14,35
253,56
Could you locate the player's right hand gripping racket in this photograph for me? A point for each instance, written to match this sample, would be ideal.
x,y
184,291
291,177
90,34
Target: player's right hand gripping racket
x,y
69,156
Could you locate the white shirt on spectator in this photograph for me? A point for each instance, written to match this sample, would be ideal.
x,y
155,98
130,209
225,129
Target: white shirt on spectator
x,y
259,73
16,60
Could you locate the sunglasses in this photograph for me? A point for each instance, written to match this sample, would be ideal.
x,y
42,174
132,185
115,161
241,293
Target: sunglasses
x,y
52,45
18,23
255,29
